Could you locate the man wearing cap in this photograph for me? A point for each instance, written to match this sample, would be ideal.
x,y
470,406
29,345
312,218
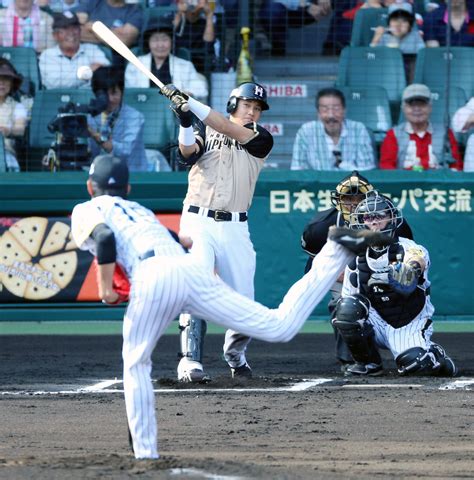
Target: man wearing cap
x,y
158,41
418,144
59,65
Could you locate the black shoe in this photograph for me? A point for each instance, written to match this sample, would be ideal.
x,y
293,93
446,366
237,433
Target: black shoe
x,y
365,369
448,367
244,371
357,241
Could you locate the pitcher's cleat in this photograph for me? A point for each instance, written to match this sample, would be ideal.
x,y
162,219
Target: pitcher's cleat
x,y
357,241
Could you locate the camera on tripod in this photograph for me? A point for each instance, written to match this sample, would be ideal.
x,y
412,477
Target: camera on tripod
x,y
70,149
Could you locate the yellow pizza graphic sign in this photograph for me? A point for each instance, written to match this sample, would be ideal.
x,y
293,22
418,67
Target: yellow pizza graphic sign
x,y
37,262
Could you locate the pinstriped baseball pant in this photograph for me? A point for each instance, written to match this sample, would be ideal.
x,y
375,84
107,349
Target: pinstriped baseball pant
x,y
162,287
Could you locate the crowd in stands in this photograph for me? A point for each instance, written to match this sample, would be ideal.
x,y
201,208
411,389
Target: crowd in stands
x,y
180,41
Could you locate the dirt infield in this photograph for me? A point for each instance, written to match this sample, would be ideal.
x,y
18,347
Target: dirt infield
x,y
384,427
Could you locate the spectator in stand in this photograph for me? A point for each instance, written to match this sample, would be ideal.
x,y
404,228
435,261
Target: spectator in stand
x,y
463,122
158,40
194,30
332,142
124,19
277,15
58,65
23,24
401,31
13,115
461,21
417,144
119,129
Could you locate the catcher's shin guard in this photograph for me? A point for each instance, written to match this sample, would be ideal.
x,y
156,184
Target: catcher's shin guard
x,y
351,321
192,332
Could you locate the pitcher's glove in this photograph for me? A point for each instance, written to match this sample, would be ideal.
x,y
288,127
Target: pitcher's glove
x,y
400,277
120,285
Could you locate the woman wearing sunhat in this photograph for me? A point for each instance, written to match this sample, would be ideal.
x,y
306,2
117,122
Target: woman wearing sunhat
x,y
13,114
158,41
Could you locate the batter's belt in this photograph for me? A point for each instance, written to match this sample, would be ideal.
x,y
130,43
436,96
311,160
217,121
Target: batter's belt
x,y
219,215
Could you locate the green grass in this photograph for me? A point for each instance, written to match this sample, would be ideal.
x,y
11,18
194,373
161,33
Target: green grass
x,y
115,328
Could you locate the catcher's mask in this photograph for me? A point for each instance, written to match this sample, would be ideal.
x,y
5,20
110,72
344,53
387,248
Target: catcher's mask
x,y
376,212
247,91
349,192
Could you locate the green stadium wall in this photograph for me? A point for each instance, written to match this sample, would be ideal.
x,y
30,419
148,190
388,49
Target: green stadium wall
x,y
438,205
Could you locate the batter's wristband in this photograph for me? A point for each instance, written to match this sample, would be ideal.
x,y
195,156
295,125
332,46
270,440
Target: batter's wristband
x,y
186,136
199,109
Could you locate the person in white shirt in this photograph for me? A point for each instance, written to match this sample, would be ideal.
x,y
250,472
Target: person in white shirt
x,y
463,122
59,65
158,39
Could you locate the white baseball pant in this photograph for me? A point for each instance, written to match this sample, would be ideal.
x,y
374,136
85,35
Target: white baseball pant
x,y
416,334
162,287
227,248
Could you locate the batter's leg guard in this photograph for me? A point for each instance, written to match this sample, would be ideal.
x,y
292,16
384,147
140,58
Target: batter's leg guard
x,y
419,361
192,332
351,321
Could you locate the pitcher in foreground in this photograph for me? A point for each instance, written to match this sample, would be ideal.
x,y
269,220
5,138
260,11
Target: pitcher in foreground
x,y
165,281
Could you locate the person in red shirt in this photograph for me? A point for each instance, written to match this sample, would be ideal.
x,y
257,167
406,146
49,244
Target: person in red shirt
x,y
418,144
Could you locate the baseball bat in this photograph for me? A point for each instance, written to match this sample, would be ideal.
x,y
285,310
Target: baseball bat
x,y
109,37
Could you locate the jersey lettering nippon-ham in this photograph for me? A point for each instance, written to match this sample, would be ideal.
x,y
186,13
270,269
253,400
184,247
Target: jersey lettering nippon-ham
x,y
135,228
224,177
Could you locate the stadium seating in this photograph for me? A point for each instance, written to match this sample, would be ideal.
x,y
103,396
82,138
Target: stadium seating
x,y
371,107
25,61
374,67
432,68
160,125
45,109
367,19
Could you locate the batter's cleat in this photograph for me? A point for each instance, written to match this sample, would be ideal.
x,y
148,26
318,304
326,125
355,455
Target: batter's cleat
x,y
191,371
365,369
244,371
357,241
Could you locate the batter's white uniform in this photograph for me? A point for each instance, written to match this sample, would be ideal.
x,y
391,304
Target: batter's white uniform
x,y
418,332
224,178
168,281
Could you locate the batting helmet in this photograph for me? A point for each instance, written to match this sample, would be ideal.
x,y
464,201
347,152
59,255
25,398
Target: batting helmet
x,y
247,91
349,192
376,206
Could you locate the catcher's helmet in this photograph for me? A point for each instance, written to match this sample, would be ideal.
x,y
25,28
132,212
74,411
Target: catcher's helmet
x,y
351,188
376,206
247,91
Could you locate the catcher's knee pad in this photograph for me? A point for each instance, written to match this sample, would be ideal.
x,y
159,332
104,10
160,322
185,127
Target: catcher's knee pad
x,y
417,361
351,321
192,332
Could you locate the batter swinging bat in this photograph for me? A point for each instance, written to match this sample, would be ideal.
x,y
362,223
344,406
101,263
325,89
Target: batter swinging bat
x,y
114,42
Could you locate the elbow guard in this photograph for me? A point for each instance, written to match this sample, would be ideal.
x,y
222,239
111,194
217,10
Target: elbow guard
x,y
104,238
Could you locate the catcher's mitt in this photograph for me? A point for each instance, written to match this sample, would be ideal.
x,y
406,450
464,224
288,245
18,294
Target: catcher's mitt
x,y
400,277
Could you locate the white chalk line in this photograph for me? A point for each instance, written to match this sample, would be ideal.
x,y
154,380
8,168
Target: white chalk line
x,y
458,384
305,384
